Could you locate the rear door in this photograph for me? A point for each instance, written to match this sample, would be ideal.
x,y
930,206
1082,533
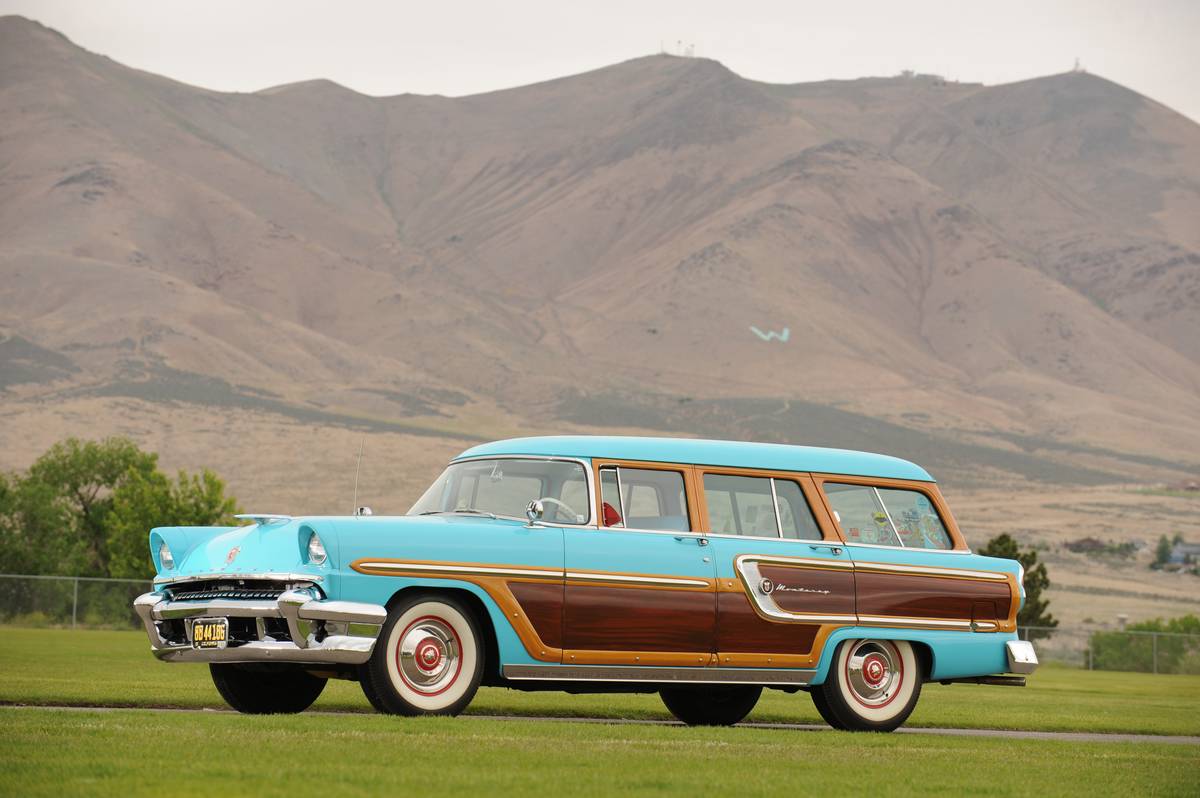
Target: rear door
x,y
640,589
784,580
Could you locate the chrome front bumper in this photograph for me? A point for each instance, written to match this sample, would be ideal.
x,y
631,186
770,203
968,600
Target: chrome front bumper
x,y
319,631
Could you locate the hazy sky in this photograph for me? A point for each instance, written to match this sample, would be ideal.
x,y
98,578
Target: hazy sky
x,y
454,48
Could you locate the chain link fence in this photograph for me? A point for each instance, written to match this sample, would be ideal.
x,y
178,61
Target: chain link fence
x,y
1109,649
89,602
70,601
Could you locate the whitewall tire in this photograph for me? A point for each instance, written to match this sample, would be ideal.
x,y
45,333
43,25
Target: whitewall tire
x,y
428,659
872,685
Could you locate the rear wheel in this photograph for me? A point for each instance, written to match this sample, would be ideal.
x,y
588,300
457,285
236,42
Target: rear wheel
x,y
710,706
266,689
873,685
428,659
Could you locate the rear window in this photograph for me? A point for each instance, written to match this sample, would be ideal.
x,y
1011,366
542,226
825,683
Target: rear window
x,y
887,516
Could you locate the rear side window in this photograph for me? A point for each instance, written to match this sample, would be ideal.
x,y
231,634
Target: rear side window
x,y
887,516
759,507
643,498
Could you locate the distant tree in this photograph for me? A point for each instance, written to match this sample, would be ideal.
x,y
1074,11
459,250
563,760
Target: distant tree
x,y
146,501
83,475
1036,609
86,508
1162,552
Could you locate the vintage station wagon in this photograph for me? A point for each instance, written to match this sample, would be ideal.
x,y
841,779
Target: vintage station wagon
x,y
701,570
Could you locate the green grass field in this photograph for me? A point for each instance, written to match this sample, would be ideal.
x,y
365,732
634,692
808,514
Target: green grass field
x,y
98,668
133,752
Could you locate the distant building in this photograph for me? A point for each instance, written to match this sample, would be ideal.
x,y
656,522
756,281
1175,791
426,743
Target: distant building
x,y
1184,554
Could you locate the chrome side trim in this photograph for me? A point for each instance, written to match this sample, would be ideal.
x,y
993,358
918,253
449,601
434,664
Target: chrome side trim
x,y
934,623
273,576
810,562
908,548
656,675
920,570
665,581
472,570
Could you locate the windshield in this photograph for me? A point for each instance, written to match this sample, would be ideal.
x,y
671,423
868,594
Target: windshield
x,y
505,487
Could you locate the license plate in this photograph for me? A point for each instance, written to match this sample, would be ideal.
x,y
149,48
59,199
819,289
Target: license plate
x,y
210,632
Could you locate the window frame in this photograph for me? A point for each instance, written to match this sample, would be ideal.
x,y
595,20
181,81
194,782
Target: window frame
x,y
830,534
688,472
929,489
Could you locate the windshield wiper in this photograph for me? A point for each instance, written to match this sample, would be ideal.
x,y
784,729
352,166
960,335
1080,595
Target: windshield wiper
x,y
470,510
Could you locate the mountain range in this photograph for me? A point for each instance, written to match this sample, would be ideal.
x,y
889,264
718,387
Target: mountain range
x,y
1002,282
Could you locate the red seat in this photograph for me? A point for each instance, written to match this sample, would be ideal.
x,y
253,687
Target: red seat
x,y
611,516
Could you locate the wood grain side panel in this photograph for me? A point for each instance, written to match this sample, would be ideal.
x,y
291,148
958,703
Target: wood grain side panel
x,y
543,606
812,590
638,619
741,629
910,595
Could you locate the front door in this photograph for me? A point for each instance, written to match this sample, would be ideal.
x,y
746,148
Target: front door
x,y
640,589
783,584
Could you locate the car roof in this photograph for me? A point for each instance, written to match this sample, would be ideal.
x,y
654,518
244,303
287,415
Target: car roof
x,y
693,451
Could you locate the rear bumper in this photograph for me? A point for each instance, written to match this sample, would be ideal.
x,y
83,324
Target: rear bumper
x,y
318,631
1021,656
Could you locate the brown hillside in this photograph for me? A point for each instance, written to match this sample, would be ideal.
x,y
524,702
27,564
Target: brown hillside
x,y
1012,270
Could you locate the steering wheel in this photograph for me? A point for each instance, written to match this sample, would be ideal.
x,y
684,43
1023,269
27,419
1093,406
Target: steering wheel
x,y
562,505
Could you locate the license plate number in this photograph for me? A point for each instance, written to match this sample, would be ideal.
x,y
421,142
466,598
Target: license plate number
x,y
210,632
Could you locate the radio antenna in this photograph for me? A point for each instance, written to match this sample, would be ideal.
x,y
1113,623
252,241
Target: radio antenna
x,y
357,468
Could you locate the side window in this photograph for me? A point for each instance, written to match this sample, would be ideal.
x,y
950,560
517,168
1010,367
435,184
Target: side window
x,y
740,505
795,516
746,506
916,519
643,498
860,514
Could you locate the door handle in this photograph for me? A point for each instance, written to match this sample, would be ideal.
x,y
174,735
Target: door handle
x,y
834,550
700,541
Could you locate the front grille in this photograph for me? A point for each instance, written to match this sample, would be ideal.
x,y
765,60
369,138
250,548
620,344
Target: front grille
x,y
237,593
231,589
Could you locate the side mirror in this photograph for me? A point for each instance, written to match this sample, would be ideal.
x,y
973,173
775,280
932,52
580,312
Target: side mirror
x,y
535,511
363,511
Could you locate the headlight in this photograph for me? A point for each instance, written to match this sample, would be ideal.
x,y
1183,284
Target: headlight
x,y
316,550
164,556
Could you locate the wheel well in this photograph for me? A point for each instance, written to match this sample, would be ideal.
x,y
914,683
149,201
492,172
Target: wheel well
x,y
924,658
491,649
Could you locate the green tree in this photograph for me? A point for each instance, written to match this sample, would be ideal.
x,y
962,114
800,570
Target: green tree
x,y
82,476
146,501
1036,609
1162,552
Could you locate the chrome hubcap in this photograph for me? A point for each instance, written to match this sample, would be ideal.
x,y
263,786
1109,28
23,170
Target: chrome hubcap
x,y
873,672
429,655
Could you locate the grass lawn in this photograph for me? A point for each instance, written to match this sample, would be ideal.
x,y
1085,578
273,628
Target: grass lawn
x,y
134,753
53,666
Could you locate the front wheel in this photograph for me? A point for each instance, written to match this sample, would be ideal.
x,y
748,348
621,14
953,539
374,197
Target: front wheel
x,y
873,685
710,706
428,659
266,689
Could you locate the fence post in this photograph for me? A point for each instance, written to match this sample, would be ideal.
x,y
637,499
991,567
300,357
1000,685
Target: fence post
x,y
1154,649
75,603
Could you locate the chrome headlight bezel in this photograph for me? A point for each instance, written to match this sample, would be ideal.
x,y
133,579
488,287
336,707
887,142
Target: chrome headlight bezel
x,y
315,551
166,560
